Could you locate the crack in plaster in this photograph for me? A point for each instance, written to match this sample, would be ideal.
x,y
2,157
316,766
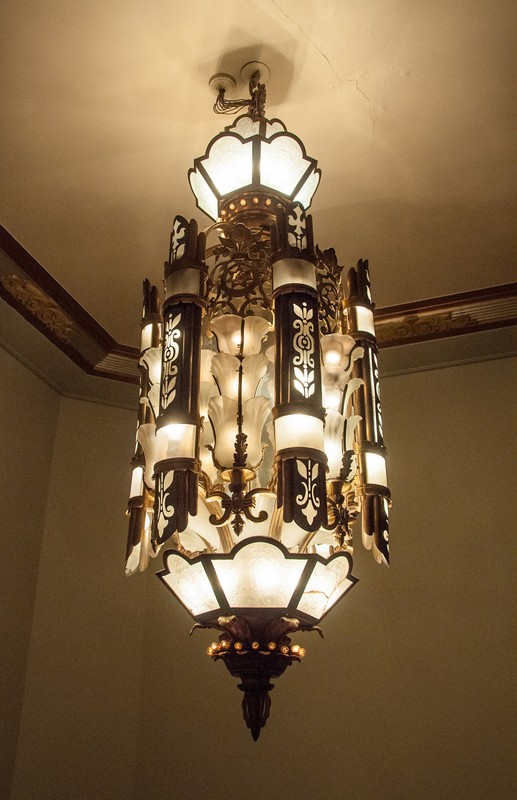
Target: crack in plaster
x,y
340,79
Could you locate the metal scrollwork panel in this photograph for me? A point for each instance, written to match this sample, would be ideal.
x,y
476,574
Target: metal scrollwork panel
x,y
171,351
304,499
328,278
303,350
239,279
179,238
299,367
297,227
176,497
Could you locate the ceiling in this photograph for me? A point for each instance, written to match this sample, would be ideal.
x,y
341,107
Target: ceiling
x,y
407,105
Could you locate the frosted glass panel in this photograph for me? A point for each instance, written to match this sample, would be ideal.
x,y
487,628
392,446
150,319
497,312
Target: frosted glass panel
x,y
375,469
137,482
225,369
146,338
183,281
191,585
326,585
152,359
306,193
293,270
335,349
231,334
222,412
205,197
365,320
282,164
298,430
176,441
146,436
259,576
246,127
274,127
334,423
229,164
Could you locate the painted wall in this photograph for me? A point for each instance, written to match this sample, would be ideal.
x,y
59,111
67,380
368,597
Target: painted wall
x,y
78,735
28,414
408,697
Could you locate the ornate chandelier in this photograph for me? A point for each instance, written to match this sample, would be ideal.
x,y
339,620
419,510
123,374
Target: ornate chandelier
x,y
259,437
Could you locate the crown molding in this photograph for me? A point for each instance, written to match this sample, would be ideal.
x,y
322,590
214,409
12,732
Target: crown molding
x,y
36,296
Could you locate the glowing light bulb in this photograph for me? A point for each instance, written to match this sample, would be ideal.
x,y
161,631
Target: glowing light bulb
x,y
332,398
332,358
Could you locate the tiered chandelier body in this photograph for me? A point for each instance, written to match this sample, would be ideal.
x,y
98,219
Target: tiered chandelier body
x,y
259,434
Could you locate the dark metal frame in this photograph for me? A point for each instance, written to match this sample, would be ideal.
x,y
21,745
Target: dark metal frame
x,y
249,613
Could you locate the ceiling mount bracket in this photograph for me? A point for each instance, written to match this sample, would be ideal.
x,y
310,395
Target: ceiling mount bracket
x,y
255,74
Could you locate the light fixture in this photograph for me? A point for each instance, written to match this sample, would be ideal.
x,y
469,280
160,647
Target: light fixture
x,y
259,435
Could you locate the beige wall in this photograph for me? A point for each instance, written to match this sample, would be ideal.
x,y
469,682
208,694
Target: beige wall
x,y
78,735
408,697
28,414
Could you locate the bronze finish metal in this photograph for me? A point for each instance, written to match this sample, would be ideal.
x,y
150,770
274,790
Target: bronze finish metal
x,y
256,103
96,352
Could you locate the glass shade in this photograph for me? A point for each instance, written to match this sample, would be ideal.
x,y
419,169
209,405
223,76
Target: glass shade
x,y
146,337
189,583
375,469
261,577
225,369
222,412
146,436
333,382
152,361
137,482
230,163
334,424
336,349
141,552
293,271
298,430
327,584
281,164
237,336
364,318
253,155
176,441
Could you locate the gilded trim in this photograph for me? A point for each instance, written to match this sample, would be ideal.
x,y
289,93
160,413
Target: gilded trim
x,y
39,305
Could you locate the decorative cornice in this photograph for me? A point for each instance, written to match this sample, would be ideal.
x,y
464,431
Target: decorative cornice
x,y
436,318
36,295
39,305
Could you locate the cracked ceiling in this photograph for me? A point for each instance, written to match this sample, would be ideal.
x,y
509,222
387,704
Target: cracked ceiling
x,y
406,105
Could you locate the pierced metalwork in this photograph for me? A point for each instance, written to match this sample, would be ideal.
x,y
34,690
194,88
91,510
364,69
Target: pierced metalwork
x,y
255,103
328,278
240,280
303,345
308,499
179,238
297,227
170,356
